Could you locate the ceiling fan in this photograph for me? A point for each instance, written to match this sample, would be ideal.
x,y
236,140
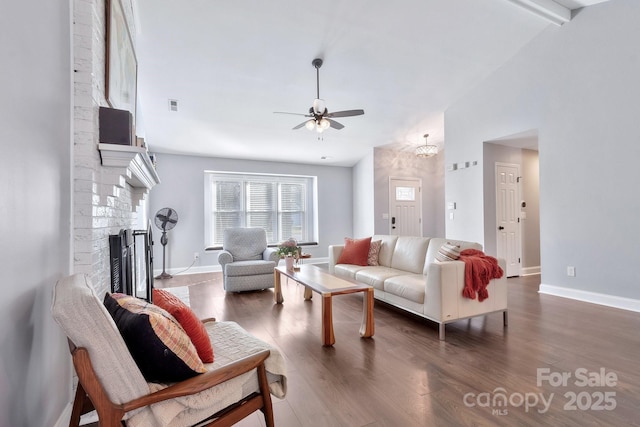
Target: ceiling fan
x,y
320,117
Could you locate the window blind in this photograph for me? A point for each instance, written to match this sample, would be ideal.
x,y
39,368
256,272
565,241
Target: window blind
x,y
281,204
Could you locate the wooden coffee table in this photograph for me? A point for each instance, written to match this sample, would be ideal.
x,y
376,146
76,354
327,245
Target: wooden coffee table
x,y
315,279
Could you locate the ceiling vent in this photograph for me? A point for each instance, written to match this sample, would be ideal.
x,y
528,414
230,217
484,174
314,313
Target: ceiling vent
x,y
173,105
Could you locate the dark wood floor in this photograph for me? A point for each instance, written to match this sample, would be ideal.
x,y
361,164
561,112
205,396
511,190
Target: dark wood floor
x,y
405,376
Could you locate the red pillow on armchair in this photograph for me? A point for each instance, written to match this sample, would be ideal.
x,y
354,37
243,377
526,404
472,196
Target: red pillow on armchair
x,y
188,320
356,251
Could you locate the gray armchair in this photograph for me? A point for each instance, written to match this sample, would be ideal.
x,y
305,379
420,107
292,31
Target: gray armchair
x,y
247,264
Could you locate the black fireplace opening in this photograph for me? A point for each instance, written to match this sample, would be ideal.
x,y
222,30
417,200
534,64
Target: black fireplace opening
x,y
131,255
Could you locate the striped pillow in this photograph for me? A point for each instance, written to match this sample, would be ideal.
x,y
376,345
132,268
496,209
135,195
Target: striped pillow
x,y
448,252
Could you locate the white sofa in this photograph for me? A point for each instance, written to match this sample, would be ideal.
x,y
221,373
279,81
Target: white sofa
x,y
408,278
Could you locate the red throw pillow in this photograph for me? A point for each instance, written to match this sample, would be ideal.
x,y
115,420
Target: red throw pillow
x,y
188,320
356,251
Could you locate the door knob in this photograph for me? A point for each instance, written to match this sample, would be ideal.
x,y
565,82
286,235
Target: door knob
x,y
501,228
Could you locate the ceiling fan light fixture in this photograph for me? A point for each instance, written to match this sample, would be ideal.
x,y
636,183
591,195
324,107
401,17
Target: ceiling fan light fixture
x,y
319,125
426,150
311,124
321,118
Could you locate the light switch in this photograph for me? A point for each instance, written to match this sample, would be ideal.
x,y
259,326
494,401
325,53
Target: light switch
x,y
523,215
451,216
385,216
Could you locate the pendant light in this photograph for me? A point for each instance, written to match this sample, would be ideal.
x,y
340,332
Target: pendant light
x,y
426,150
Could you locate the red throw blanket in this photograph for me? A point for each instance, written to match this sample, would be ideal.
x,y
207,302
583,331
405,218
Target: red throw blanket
x,y
479,269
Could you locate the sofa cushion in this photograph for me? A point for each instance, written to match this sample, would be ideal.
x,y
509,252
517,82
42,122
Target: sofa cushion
x,y
188,320
375,276
409,254
386,250
347,270
448,252
409,286
356,251
249,268
374,252
162,350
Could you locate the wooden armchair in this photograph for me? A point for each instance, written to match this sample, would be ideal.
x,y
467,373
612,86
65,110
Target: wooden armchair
x,y
110,382
91,395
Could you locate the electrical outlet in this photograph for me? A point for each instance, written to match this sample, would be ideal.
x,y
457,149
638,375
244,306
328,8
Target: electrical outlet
x,y
196,256
571,271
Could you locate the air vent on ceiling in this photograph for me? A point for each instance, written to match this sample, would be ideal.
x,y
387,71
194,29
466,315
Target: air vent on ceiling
x,y
173,105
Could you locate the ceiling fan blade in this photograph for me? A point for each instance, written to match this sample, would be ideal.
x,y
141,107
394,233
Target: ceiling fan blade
x,y
346,113
335,124
301,125
295,114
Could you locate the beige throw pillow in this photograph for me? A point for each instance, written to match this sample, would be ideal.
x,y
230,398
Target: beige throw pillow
x,y
374,252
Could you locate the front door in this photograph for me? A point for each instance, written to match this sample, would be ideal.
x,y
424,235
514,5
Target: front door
x,y
405,207
508,216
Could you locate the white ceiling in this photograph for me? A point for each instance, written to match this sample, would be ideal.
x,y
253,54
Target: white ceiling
x,y
231,64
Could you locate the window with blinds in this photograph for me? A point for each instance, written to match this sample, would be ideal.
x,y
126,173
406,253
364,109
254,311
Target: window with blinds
x,y
281,204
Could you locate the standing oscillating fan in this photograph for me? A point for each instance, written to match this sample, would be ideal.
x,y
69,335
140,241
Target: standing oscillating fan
x,y
166,219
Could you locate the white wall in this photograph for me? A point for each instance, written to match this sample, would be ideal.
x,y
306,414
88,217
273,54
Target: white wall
x,y
35,212
363,197
182,188
531,223
578,85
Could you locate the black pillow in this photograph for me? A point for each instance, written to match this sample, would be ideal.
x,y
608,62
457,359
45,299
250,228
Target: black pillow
x,y
158,344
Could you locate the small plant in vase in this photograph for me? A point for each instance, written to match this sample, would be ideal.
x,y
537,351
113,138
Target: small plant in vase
x,y
290,251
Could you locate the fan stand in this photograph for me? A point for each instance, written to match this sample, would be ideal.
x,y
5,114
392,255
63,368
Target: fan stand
x,y
164,240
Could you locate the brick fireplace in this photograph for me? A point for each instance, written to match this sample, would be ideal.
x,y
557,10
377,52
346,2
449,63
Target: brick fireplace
x,y
111,182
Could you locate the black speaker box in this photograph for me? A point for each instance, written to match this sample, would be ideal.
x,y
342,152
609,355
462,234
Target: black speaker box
x,y
116,126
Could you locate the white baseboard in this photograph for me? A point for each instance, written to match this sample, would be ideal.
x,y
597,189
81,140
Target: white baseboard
x,y
530,271
89,418
65,416
592,297
217,268
193,270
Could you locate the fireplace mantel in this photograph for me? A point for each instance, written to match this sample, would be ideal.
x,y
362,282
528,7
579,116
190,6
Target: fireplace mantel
x,y
134,162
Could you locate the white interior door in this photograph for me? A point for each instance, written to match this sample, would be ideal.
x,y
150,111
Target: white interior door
x,y
508,217
405,207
